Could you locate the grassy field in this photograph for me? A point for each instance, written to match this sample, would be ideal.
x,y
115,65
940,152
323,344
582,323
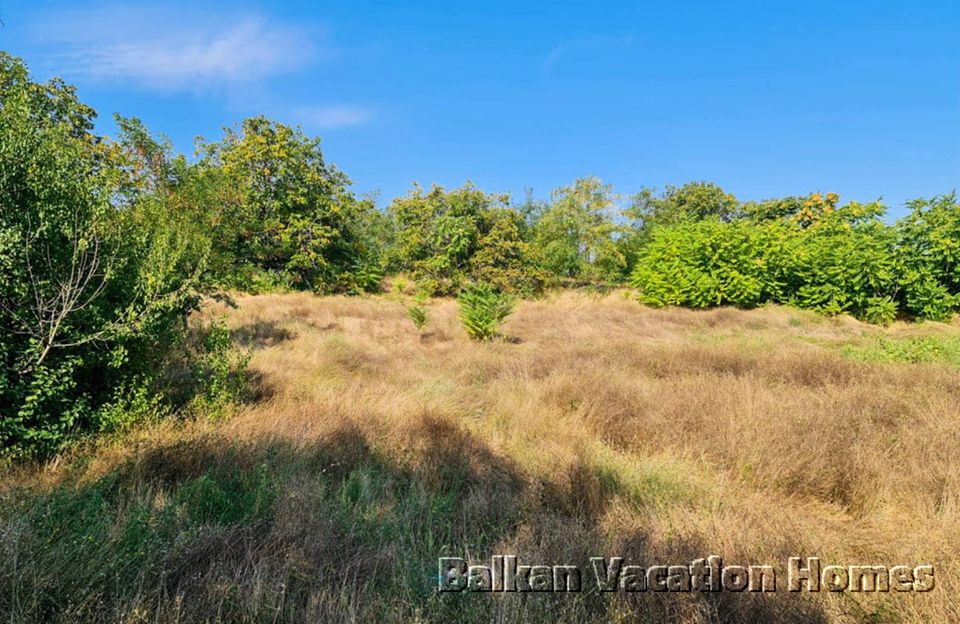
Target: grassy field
x,y
597,427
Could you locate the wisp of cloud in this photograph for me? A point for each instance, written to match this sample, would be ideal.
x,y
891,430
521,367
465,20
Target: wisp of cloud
x,y
167,50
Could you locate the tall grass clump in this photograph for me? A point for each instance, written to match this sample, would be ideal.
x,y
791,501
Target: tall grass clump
x,y
482,311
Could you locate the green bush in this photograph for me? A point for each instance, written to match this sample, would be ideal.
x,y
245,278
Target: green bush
x,y
418,314
104,249
218,369
97,272
710,263
842,267
811,254
482,311
929,252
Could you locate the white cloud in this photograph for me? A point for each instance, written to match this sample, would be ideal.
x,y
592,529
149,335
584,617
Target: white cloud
x,y
582,44
173,50
328,117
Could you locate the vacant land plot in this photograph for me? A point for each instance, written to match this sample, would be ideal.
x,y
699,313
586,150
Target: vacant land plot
x,y
597,427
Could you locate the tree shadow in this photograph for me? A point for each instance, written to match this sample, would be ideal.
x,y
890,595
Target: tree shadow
x,y
346,527
581,498
261,334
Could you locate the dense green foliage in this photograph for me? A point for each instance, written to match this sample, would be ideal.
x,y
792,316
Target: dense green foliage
x,y
709,263
288,216
577,234
107,245
100,264
446,239
812,254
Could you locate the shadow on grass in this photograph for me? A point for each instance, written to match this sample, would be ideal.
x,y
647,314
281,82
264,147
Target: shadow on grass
x,y
261,334
208,529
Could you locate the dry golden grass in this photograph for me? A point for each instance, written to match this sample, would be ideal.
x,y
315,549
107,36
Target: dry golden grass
x,y
601,428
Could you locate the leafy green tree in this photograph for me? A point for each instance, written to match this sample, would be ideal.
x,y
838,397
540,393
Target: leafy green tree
x,y
446,239
96,272
289,215
54,222
694,201
576,234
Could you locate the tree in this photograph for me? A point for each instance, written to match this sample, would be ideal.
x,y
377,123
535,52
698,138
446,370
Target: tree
x,y
577,234
694,201
290,216
447,239
91,270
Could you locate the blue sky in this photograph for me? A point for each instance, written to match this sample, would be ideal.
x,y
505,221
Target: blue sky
x,y
764,98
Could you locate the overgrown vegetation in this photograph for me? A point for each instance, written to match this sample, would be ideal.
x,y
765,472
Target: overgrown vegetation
x,y
812,254
445,240
103,260
287,217
109,245
659,435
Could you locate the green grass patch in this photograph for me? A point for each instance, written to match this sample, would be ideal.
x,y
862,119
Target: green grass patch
x,y
80,547
915,350
643,482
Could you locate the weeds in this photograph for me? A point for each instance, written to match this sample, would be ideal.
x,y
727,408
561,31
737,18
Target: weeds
x,y
219,370
418,314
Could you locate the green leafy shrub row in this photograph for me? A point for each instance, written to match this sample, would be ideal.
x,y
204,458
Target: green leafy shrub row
x,y
838,260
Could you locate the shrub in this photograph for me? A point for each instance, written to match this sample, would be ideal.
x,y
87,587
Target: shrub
x,y
812,255
218,369
418,314
929,250
482,311
99,268
710,263
104,249
836,266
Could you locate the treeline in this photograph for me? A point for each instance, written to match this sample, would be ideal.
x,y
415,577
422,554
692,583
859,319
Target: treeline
x,y
108,244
